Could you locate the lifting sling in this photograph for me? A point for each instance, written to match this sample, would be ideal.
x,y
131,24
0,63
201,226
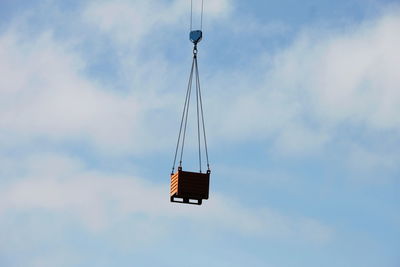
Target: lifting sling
x,y
191,187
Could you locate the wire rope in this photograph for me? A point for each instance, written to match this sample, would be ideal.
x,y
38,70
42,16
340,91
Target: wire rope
x,y
202,11
198,110
191,15
199,107
201,15
202,116
187,100
186,119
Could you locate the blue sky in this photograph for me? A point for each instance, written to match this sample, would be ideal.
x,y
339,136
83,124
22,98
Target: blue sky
x,y
302,106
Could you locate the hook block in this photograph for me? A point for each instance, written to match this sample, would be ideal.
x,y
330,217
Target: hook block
x,y
196,36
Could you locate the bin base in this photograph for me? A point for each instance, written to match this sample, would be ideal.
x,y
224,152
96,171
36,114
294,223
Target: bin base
x,y
185,200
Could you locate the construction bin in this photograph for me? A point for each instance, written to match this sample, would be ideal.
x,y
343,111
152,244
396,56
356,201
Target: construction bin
x,y
189,187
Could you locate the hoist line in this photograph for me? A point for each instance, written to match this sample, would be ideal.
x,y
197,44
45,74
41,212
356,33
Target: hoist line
x,y
187,115
202,116
183,116
202,11
198,113
201,16
191,15
199,103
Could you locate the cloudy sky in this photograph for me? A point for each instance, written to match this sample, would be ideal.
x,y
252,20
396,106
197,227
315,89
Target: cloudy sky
x,y
302,107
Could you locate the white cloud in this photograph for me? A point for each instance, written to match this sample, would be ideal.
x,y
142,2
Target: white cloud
x,y
310,89
130,21
307,91
349,76
44,93
52,99
324,81
373,165
100,200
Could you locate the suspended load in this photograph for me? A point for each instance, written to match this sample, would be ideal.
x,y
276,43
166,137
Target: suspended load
x,y
191,187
